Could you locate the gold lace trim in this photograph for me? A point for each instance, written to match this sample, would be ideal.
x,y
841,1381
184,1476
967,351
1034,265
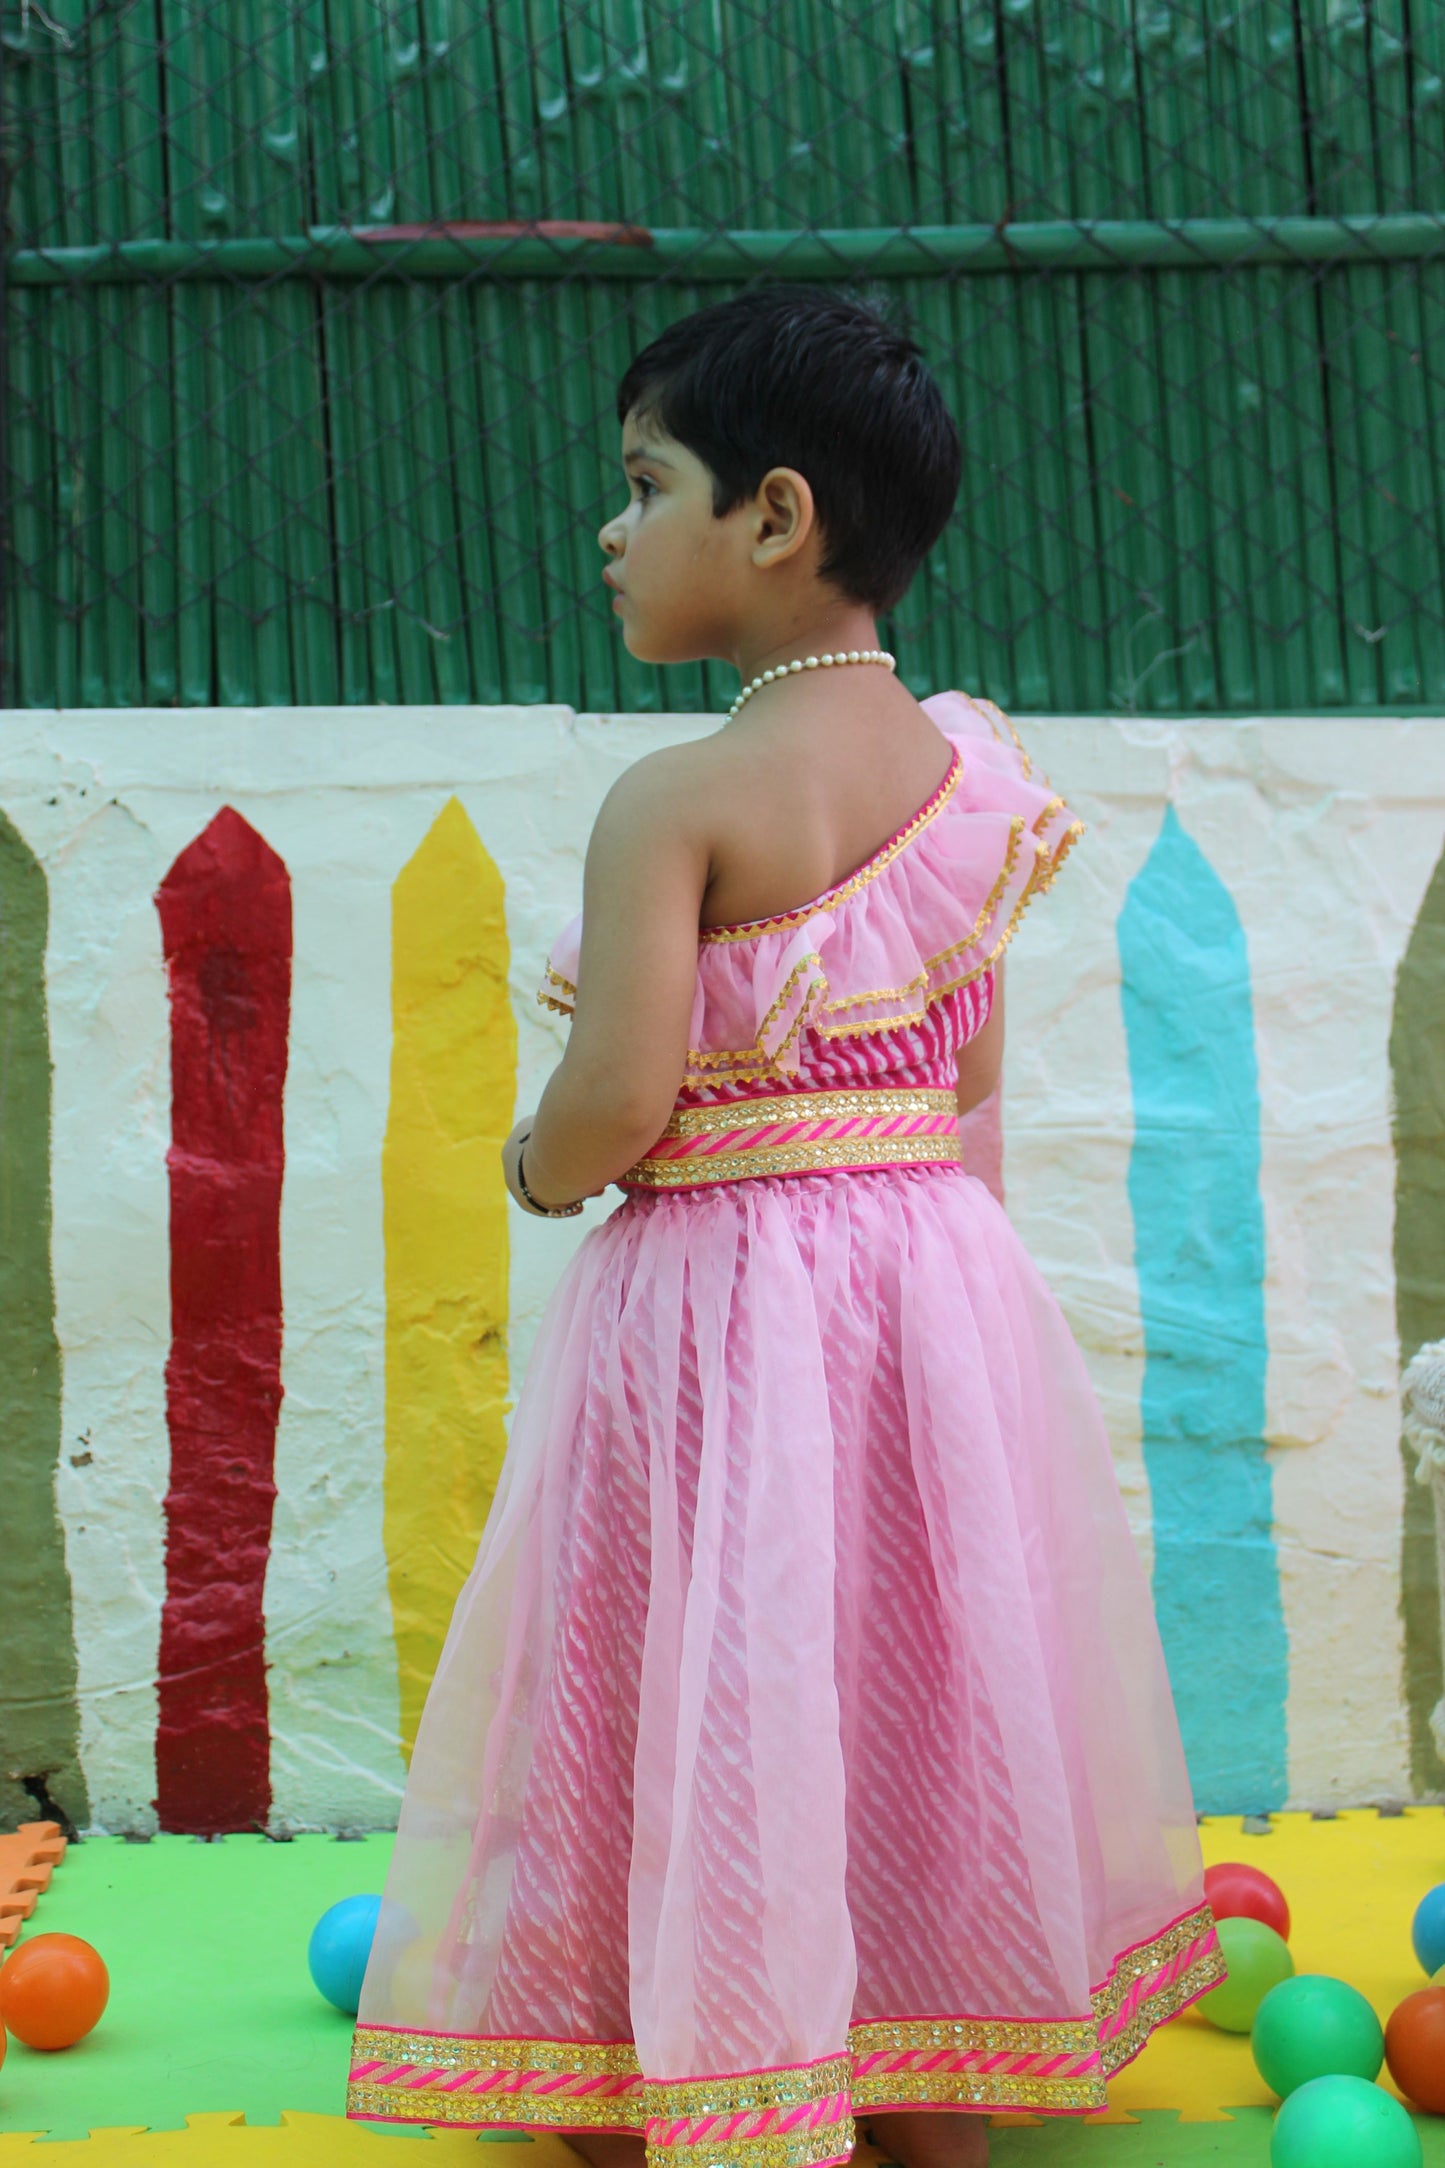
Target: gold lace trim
x,y
811,1156
993,716
973,2036
998,2089
753,2091
865,873
784,996
1041,881
372,2101
466,2051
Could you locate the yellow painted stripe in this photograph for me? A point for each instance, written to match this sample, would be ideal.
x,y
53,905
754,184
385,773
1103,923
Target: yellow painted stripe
x,y
453,1087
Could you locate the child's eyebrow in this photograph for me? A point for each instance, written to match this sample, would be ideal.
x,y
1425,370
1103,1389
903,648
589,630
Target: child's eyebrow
x,y
652,459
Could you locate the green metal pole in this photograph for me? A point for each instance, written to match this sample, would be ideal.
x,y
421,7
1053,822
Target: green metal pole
x,y
336,252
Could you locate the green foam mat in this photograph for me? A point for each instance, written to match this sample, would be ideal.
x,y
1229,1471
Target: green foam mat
x,y
213,2013
211,2005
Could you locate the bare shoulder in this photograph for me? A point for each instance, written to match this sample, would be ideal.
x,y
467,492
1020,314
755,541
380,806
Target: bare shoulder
x,y
683,791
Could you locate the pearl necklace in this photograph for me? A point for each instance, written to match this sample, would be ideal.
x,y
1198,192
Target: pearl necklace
x,y
811,662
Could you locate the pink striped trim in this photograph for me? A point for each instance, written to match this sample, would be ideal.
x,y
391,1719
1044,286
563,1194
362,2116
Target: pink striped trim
x,y
531,2084
776,1133
748,2122
956,2063
485,2122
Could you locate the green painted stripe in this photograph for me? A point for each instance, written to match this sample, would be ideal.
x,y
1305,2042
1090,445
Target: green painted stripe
x,y
1417,1069
39,1722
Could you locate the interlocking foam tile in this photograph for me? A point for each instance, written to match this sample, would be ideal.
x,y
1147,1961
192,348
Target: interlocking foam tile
x,y
216,2049
297,2141
27,1859
212,2010
1152,2140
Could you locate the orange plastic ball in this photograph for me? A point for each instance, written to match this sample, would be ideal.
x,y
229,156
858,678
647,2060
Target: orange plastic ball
x,y
1415,2048
52,1991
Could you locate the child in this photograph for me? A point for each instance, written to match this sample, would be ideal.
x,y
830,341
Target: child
x,y
802,1749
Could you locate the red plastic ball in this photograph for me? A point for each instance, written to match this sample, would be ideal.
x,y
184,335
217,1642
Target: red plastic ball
x,y
1415,2048
52,1991
1236,1892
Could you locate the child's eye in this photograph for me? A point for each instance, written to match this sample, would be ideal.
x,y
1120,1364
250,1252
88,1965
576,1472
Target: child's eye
x,y
646,487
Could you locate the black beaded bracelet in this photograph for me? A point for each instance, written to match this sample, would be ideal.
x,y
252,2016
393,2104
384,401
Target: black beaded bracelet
x,y
546,1211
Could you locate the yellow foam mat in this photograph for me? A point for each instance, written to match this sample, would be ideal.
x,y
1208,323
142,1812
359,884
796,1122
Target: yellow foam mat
x,y
298,2141
1352,1885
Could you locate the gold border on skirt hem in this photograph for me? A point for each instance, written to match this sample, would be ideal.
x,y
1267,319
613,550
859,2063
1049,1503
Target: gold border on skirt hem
x,y
580,2096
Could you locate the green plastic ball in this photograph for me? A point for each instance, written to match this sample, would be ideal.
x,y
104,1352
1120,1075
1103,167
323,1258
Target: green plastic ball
x,y
1315,2027
1257,1960
1343,2123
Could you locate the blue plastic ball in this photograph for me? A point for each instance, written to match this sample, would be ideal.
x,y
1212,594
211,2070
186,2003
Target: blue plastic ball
x,y
339,1947
1343,2123
1428,1932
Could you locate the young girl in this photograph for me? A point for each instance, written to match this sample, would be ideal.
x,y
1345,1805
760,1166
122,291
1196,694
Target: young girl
x,y
802,1749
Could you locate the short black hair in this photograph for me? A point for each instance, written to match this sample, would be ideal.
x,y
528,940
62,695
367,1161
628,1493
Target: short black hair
x,y
801,376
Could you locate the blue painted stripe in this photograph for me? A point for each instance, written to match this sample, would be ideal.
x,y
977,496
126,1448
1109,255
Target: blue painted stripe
x,y
1199,1252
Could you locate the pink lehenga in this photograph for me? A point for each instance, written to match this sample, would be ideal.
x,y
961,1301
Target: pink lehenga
x,y
802,1744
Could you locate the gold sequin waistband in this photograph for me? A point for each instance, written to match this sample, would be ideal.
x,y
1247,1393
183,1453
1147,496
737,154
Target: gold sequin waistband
x,y
805,1132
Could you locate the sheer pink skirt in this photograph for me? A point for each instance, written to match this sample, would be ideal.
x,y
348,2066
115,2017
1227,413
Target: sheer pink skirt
x,y
803,1742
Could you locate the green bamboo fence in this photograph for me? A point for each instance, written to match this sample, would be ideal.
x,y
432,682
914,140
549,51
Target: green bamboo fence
x,y
314,309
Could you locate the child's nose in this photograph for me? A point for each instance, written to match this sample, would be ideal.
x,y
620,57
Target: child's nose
x,y
610,537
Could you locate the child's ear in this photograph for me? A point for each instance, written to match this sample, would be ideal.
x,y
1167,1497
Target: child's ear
x,y
783,516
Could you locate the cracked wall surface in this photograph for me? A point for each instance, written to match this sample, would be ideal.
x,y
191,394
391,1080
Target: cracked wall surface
x,y
1325,835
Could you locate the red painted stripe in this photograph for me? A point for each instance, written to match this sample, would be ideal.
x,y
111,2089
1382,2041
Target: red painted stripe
x,y
225,909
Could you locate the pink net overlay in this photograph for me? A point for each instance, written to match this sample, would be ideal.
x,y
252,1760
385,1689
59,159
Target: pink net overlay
x,y
807,1675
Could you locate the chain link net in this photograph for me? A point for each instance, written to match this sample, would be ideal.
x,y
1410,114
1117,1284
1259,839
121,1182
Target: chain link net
x,y
315,309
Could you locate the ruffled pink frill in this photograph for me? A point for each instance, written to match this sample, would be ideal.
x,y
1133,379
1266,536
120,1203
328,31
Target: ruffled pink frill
x,y
908,927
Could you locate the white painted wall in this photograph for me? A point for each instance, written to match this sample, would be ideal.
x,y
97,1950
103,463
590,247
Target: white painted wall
x,y
1326,834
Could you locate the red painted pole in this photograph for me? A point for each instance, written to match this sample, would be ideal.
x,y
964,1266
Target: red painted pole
x,y
225,910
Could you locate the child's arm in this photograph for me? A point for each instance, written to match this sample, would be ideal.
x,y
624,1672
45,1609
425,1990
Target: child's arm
x,y
980,1063
648,863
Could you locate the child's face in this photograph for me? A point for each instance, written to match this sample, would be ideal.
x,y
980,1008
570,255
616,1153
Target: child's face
x,y
678,572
